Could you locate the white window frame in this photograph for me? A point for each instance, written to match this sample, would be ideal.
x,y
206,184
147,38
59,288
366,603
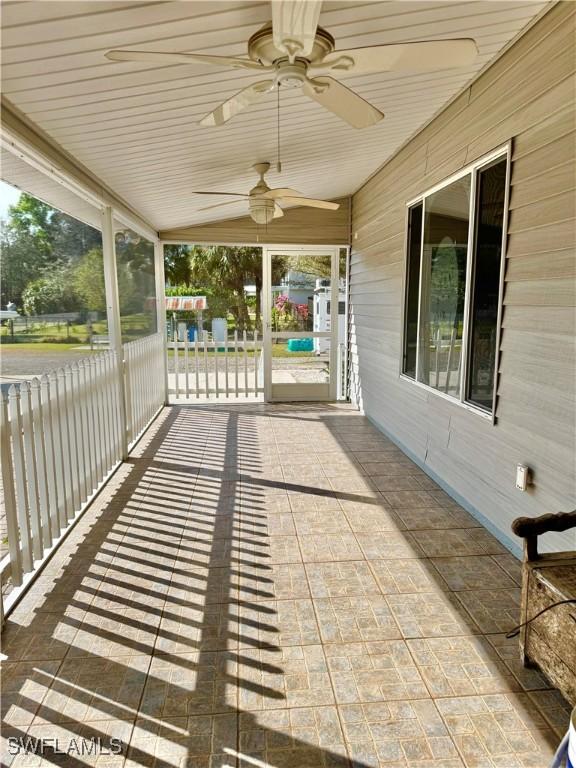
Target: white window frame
x,y
472,170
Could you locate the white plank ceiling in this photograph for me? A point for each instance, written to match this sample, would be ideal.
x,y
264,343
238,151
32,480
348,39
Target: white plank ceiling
x,y
135,125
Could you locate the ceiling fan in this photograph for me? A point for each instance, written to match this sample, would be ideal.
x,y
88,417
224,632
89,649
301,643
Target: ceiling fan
x,y
294,52
263,202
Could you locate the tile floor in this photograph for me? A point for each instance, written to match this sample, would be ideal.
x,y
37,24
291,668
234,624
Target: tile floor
x,y
275,586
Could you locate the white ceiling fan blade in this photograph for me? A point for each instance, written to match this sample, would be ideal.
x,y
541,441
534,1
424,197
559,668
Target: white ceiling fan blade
x,y
220,205
278,212
343,102
273,194
406,57
184,58
237,103
309,202
294,24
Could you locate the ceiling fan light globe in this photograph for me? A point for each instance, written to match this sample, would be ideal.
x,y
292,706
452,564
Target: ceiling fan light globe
x,y
262,210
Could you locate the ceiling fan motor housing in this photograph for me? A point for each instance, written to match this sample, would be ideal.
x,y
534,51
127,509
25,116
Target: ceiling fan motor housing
x,y
261,46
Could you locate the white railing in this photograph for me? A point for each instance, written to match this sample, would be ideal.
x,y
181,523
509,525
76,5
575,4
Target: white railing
x,y
61,436
144,382
206,368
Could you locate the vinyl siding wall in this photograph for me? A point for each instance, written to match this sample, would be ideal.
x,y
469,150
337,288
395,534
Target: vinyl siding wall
x,y
527,97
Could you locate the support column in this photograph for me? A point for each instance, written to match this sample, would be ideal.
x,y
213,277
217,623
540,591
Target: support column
x,y
113,314
160,282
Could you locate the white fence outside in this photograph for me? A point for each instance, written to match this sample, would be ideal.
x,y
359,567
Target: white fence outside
x,y
61,436
206,367
144,382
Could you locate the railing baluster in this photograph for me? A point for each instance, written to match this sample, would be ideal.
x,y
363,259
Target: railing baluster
x,y
76,406
245,355
49,444
10,508
177,389
215,343
31,475
226,385
236,361
255,362
206,382
63,482
38,438
19,474
72,450
196,364
86,430
186,374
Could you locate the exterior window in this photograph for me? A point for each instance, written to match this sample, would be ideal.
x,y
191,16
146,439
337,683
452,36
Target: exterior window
x,y
453,284
446,222
486,283
412,289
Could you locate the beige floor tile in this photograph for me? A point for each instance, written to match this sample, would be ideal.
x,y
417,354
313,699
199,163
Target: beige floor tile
x,y
366,518
187,609
277,623
391,468
280,581
279,524
73,737
272,551
186,684
498,730
555,709
287,677
530,679
354,619
459,541
420,518
94,689
409,499
407,576
305,502
47,637
330,547
195,626
472,573
341,579
278,503
459,666
511,565
202,586
309,737
202,741
398,734
24,687
398,482
374,671
319,522
115,633
433,614
495,610
388,545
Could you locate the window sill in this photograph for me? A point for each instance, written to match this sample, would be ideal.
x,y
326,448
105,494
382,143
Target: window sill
x,y
487,416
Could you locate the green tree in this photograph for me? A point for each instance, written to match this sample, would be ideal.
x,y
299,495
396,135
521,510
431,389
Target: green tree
x,y
88,281
35,240
50,295
177,264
